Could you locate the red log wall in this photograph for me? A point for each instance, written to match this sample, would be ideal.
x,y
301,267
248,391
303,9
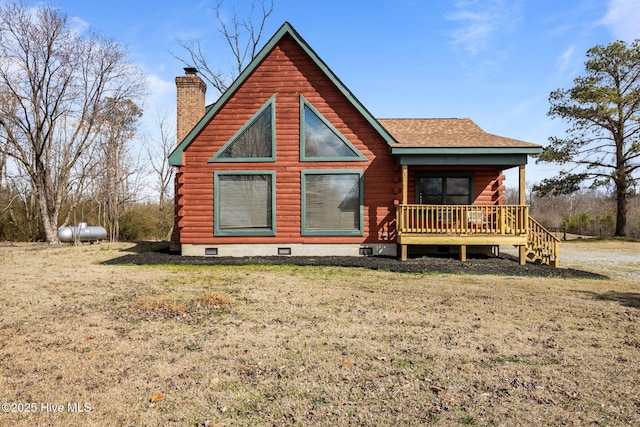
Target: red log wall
x,y
287,72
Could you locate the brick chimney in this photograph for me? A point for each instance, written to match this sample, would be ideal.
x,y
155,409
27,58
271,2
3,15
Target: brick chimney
x,y
190,109
190,101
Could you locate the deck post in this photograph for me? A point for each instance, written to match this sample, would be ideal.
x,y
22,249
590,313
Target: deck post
x,y
405,183
522,200
463,252
405,191
522,195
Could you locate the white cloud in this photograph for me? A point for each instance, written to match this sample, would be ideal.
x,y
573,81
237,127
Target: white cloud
x,y
480,20
566,60
160,102
79,25
161,92
622,18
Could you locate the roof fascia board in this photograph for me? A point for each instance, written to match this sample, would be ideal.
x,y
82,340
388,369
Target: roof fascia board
x,y
405,151
463,160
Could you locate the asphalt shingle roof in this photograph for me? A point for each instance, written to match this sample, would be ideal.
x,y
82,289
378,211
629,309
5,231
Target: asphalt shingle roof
x,y
447,133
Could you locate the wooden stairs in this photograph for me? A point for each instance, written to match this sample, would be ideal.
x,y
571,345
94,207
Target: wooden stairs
x,y
542,246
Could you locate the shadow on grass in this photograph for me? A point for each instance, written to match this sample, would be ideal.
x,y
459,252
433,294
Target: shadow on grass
x,y
626,299
157,253
143,246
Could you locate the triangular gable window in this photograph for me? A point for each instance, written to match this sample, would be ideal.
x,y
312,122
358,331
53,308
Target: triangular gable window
x,y
255,141
320,141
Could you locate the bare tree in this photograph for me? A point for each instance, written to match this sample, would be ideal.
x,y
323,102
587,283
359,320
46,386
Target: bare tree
x,y
21,207
157,152
6,104
56,80
243,35
3,168
120,123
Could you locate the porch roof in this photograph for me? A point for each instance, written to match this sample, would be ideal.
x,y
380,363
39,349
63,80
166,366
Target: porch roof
x,y
453,142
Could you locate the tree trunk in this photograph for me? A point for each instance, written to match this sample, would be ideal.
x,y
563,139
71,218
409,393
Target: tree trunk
x,y
621,215
49,220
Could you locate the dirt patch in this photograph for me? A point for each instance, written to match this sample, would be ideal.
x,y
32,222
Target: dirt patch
x,y
158,254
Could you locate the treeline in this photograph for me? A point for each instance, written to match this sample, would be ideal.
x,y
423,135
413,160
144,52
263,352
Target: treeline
x,y
20,221
585,212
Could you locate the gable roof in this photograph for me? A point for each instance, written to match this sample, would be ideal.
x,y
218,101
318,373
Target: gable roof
x,y
175,158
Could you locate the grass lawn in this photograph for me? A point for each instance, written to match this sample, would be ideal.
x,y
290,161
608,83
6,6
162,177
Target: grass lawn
x,y
84,343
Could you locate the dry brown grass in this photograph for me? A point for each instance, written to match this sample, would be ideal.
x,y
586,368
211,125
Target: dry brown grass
x,y
191,310
284,345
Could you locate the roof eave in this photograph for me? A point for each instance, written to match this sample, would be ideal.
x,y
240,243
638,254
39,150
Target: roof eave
x,y
533,150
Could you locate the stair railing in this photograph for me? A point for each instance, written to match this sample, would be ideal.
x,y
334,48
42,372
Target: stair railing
x,y
543,244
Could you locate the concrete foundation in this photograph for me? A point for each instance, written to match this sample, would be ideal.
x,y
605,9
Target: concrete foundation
x,y
242,250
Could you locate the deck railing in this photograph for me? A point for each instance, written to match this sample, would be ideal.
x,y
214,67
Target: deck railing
x,y
462,219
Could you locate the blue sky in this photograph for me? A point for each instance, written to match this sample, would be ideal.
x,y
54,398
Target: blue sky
x,y
494,61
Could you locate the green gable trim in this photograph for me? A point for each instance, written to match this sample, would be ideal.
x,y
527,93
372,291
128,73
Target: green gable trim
x,y
271,102
464,156
175,158
356,154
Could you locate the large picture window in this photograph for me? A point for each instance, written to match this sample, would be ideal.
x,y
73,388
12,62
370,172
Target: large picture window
x,y
244,203
332,203
444,190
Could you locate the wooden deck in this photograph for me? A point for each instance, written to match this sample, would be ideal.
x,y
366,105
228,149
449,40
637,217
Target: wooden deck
x,y
464,225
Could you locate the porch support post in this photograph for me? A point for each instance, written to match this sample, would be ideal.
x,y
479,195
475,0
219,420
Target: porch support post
x,y
463,252
405,191
522,200
522,196
405,183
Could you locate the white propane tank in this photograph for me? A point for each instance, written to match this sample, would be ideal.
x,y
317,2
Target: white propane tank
x,y
82,233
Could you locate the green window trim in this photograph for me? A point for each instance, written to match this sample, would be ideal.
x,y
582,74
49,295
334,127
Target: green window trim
x,y
219,156
357,155
220,229
359,218
444,175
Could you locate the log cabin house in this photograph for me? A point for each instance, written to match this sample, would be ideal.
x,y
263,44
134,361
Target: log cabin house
x,y
289,162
